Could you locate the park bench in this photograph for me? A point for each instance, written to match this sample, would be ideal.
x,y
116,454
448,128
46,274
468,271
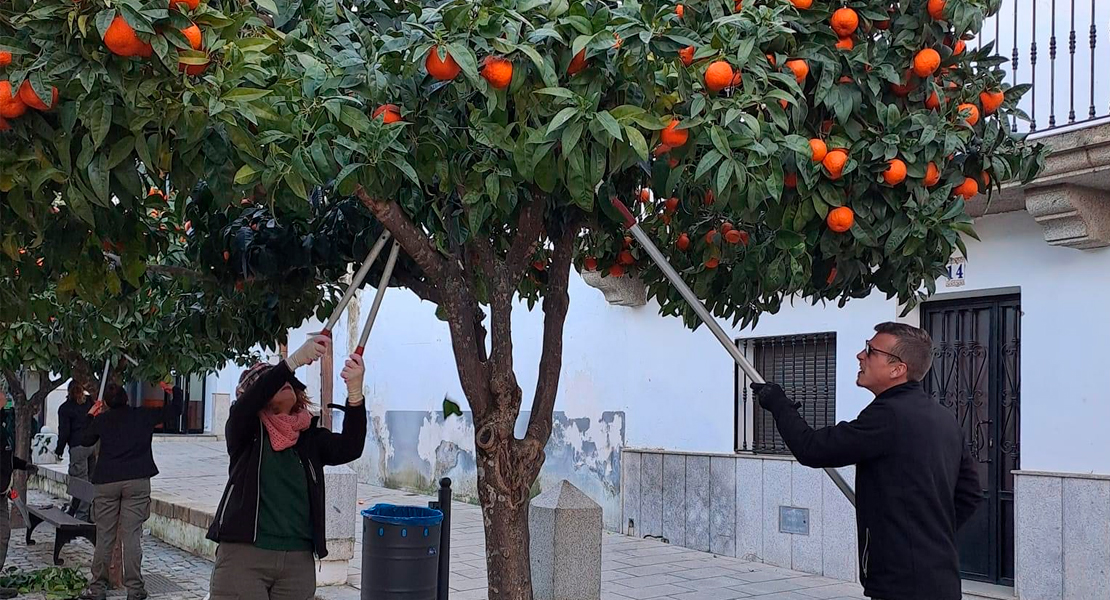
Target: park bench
x,y
66,528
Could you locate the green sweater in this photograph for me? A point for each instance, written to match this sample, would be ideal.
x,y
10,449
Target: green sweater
x,y
284,523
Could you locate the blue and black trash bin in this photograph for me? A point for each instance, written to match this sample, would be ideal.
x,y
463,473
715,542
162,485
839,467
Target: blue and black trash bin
x,y
400,552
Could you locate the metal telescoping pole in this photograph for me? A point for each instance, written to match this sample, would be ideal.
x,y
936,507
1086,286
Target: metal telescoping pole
x,y
699,308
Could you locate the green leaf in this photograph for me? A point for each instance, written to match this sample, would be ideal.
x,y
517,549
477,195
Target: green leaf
x,y
345,181
405,167
296,183
120,151
571,136
717,135
610,124
723,175
558,92
450,408
785,239
245,175
707,163
268,6
467,61
637,141
561,118
245,94
547,71
99,122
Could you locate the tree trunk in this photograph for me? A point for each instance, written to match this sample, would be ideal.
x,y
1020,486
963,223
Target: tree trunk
x,y
505,513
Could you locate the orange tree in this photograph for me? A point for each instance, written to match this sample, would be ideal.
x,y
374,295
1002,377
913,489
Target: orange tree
x,y
774,149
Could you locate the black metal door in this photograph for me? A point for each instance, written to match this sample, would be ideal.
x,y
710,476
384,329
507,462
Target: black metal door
x,y
976,373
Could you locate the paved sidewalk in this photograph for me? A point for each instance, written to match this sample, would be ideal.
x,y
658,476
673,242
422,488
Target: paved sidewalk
x,y
170,573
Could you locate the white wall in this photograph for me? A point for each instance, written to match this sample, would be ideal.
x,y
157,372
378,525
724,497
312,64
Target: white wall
x,y
676,386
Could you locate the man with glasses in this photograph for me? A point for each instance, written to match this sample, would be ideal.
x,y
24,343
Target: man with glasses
x,y
916,482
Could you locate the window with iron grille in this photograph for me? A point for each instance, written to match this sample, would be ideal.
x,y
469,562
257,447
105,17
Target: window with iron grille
x,y
805,366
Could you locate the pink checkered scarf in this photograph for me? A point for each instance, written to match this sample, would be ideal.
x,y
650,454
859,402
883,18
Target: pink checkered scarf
x,y
284,430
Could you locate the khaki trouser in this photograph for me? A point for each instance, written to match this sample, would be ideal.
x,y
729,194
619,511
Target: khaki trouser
x,y
119,511
81,464
244,572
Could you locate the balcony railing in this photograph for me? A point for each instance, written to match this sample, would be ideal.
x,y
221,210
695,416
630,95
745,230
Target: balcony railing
x,y
1062,48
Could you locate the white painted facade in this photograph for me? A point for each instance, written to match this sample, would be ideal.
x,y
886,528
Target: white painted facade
x,y
677,386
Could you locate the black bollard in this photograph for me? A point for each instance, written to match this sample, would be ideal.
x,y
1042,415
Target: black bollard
x,y
444,539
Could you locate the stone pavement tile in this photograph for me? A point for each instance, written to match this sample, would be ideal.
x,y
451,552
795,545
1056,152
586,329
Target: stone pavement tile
x,y
716,594
778,585
758,575
464,584
712,583
708,572
660,569
651,581
647,593
643,561
614,575
838,590
781,596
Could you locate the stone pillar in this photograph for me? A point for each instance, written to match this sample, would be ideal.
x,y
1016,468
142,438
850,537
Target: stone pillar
x,y
565,529
341,496
221,403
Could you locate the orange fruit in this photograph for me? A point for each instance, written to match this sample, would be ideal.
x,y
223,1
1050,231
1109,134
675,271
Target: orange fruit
x,y
11,106
683,242
832,276
679,10
734,236
616,271
6,126
926,62
660,150
936,9
498,72
883,25
625,258
790,180
686,55
844,79
735,80
819,149
972,113
192,33
645,197
726,227
390,113
959,47
443,70
895,172
826,126
991,101
932,175
835,161
590,263
709,198
711,236
718,76
845,21
802,4
800,69
712,262
771,59
905,88
674,137
671,205
28,96
968,189
5,58
933,101
840,219
122,40
985,178
845,43
577,63
183,4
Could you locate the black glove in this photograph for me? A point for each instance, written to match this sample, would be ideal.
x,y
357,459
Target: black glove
x,y
772,396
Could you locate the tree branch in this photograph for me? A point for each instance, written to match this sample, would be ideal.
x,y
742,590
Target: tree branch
x,y
528,232
461,307
412,239
170,270
555,304
423,289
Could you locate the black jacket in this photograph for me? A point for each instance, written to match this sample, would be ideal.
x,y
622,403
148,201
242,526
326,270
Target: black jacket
x,y
125,435
237,515
916,484
73,419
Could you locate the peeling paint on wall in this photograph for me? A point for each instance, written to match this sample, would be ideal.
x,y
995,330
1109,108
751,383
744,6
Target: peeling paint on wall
x,y
412,450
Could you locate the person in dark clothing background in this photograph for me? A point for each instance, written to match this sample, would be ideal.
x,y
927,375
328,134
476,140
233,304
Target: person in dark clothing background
x,y
8,463
122,480
916,482
73,419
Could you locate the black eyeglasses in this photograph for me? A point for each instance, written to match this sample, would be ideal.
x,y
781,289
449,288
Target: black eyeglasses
x,y
869,349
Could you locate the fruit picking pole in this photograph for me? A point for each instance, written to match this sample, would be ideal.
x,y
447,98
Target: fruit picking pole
x,y
355,283
699,308
383,283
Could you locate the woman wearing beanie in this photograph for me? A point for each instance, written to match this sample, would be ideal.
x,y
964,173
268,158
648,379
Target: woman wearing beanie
x,y
270,521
